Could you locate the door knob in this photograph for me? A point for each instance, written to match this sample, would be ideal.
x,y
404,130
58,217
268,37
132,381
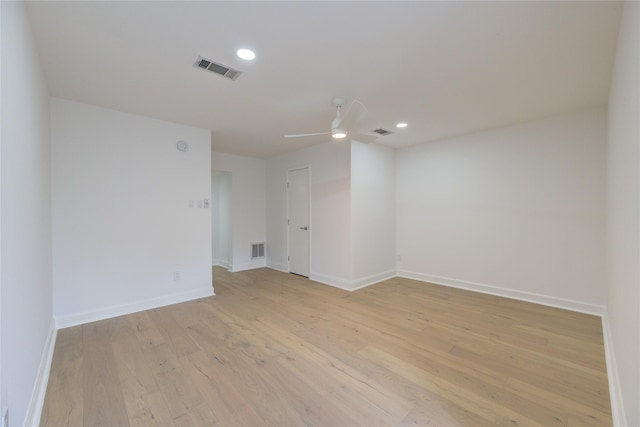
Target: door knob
x,y
304,228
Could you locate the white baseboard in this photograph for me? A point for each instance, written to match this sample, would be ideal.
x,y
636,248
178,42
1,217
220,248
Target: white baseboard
x,y
120,310
352,284
34,409
371,280
567,304
248,266
277,266
615,392
221,263
334,281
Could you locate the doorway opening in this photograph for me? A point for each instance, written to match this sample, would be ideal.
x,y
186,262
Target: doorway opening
x,y
221,219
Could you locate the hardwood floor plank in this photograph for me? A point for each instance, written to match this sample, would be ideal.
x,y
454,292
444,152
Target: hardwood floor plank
x,y
325,374
103,399
278,349
146,409
173,382
545,376
443,414
146,330
64,403
171,331
143,400
575,409
246,377
231,408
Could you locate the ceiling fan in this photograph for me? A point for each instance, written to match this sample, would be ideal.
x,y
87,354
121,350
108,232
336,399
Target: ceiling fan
x,y
342,125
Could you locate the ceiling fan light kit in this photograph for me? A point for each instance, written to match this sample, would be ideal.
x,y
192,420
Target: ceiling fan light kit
x,y
338,134
342,126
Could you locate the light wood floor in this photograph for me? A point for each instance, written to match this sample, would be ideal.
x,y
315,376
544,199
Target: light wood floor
x,y
276,349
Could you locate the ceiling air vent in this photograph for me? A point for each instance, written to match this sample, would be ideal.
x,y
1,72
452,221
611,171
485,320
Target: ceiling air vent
x,y
382,132
219,69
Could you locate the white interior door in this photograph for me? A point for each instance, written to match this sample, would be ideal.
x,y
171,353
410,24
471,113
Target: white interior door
x,y
298,199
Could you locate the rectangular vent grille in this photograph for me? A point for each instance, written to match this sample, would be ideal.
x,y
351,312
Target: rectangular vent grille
x,y
219,69
382,132
257,250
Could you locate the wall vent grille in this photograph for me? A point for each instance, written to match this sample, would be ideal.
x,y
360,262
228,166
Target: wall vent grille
x,y
257,250
219,69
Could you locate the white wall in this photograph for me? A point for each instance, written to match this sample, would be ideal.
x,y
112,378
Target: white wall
x,y
122,224
373,245
26,305
329,169
517,211
221,218
623,214
247,206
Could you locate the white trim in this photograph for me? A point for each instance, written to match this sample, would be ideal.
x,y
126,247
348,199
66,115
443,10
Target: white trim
x,y
355,284
615,392
221,263
34,408
277,266
248,266
567,304
120,310
363,282
334,281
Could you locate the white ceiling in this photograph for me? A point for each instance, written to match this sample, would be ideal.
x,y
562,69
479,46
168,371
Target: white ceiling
x,y
447,68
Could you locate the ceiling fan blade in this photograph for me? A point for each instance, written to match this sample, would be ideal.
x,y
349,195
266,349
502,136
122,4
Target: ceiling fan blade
x,y
298,135
361,137
356,111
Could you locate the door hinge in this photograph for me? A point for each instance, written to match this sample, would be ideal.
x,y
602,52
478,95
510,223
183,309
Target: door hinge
x,y
288,258
287,185
287,222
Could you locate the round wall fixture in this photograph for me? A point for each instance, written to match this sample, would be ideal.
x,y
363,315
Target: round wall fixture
x,y
182,145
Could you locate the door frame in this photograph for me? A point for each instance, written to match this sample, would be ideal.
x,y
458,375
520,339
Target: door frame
x,y
287,225
214,207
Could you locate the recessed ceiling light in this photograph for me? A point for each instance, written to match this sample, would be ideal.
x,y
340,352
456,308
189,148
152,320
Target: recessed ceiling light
x,y
246,54
401,125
